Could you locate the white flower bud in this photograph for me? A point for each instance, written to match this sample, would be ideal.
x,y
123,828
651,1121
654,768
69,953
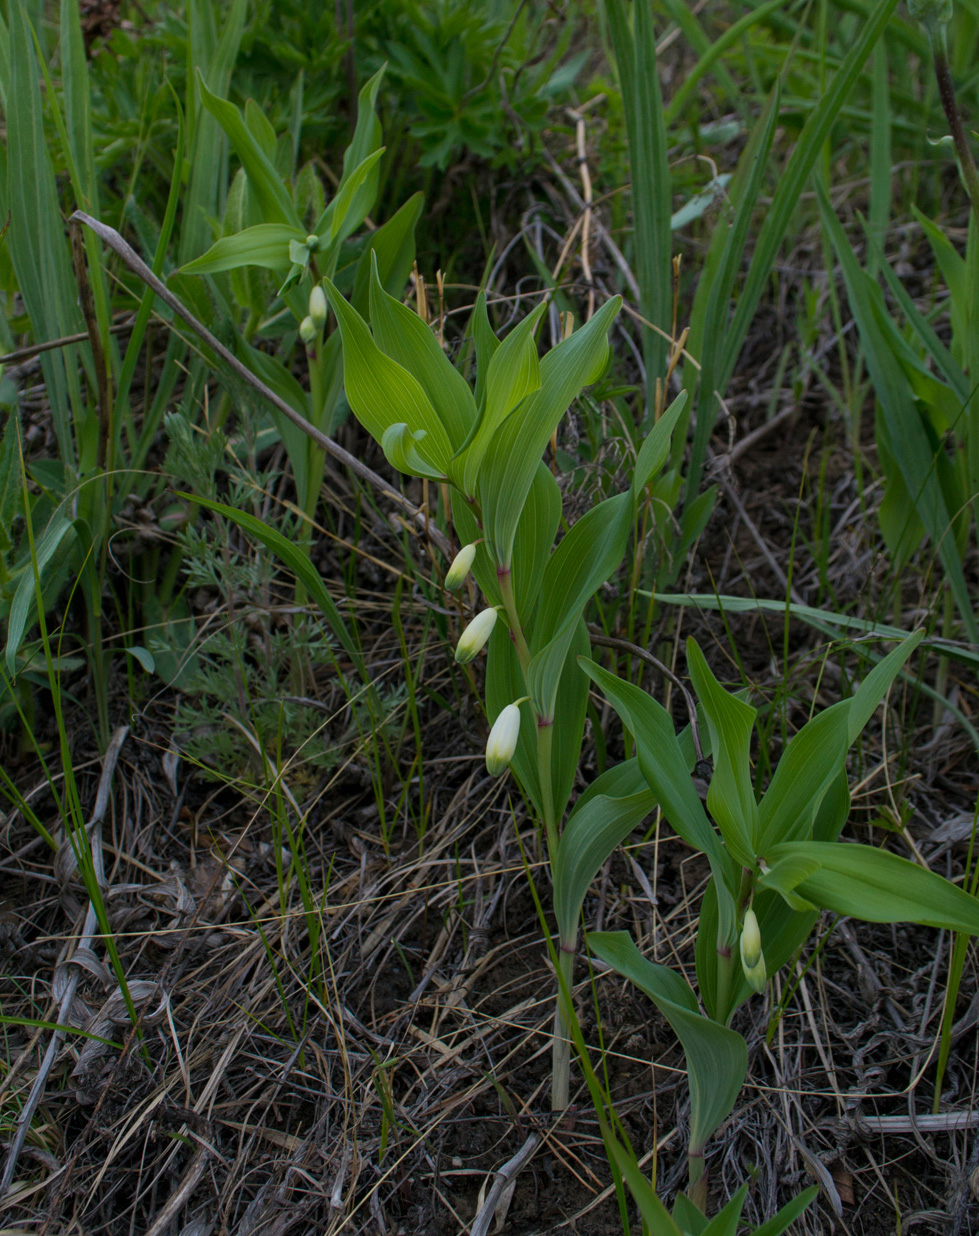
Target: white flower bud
x,y
502,741
475,636
317,306
461,565
308,331
752,958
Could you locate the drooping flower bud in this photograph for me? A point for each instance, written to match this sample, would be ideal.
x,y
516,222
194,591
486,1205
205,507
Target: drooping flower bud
x,y
752,958
308,331
502,741
460,568
317,306
475,636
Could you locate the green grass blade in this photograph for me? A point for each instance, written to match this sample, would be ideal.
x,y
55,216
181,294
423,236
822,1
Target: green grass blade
x,y
36,239
777,219
909,442
635,56
208,147
717,1058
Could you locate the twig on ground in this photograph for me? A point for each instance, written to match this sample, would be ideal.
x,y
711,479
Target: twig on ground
x,y
85,941
503,1185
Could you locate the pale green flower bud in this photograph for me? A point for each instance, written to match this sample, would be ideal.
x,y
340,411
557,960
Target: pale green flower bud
x,y
752,958
502,741
308,331
317,306
312,242
475,636
460,568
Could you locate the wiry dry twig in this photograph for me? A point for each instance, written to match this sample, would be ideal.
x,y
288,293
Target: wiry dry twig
x,y
85,940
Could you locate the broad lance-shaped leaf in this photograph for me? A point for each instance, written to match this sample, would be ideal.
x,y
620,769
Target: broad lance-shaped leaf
x,y
664,767
392,248
873,885
407,339
717,1058
731,797
619,800
401,449
816,756
265,244
532,544
515,451
343,219
604,815
660,758
655,450
275,199
383,393
513,372
587,556
584,559
813,760
504,684
807,769
486,344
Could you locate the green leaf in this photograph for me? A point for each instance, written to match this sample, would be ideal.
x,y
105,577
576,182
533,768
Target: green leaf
x,y
393,247
207,143
655,1216
534,538
402,335
10,482
788,1214
265,244
400,447
346,215
661,759
655,450
725,1222
877,886
593,831
24,603
273,196
809,765
877,683
604,815
731,797
583,560
569,721
712,302
515,451
143,656
381,392
824,620
486,344
717,1058
513,374
690,1217
343,215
